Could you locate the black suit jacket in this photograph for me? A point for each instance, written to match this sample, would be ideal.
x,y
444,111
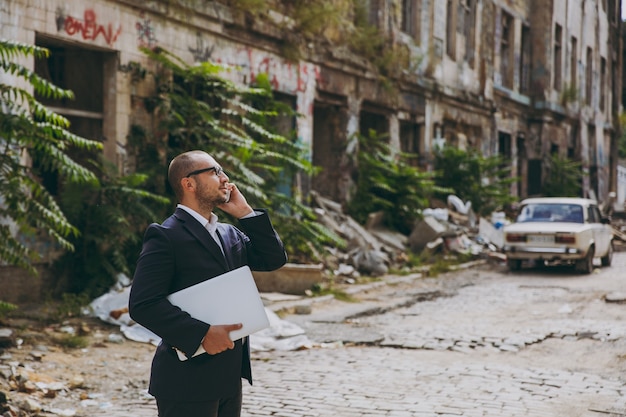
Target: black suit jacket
x,y
175,255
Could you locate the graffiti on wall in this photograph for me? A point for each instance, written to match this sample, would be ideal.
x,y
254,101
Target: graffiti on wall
x,y
88,27
297,79
201,52
146,36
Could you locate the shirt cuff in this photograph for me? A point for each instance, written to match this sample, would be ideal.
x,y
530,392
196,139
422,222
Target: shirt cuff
x,y
253,213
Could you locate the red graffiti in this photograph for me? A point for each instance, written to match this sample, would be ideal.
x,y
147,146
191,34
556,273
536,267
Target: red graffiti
x,y
90,29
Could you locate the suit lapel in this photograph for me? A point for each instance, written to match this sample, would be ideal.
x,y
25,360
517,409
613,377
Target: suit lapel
x,y
202,235
225,245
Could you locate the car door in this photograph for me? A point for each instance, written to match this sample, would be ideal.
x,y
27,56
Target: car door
x,y
601,232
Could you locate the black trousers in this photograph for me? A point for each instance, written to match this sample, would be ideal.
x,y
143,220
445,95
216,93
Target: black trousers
x,y
224,407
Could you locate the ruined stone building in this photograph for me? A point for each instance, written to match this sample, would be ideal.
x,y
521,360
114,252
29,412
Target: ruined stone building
x,y
519,78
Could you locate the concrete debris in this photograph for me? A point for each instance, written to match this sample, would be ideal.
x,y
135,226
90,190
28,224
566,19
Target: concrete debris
x,y
27,387
7,338
373,249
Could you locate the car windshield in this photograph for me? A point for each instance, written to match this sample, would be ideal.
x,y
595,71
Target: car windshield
x,y
553,212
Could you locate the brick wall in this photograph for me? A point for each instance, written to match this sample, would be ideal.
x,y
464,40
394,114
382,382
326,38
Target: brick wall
x,y
20,287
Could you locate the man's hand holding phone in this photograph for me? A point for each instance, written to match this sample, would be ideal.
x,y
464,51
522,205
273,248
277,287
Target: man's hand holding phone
x,y
235,203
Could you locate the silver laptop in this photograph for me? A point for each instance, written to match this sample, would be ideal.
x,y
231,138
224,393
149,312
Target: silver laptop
x,y
229,298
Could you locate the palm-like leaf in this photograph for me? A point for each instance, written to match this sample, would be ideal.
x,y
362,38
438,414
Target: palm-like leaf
x,y
27,127
203,110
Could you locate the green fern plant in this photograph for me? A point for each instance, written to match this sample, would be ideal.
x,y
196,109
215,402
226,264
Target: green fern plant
x,y
388,183
112,215
27,127
564,177
483,180
200,109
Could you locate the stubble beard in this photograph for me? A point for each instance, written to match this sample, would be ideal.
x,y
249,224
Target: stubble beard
x,y
209,200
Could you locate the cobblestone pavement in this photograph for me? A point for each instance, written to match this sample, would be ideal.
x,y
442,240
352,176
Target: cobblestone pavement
x,y
535,343
371,381
476,342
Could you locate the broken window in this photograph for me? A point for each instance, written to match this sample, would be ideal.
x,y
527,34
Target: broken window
x,y
373,122
373,9
366,12
602,83
506,50
504,146
285,125
574,63
81,71
612,12
410,140
451,30
593,158
469,29
525,60
588,76
558,58
330,150
520,144
411,18
534,177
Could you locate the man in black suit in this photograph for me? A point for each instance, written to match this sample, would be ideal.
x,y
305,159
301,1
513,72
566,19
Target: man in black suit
x,y
189,247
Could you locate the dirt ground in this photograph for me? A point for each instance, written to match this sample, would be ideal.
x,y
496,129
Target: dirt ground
x,y
44,376
48,374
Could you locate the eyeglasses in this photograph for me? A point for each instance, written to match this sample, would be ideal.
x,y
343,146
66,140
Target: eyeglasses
x,y
218,171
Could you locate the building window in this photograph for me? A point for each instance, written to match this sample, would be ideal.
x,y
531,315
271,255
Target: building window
x,y
82,71
588,76
534,177
574,63
469,30
504,148
558,57
611,81
373,10
603,83
410,141
374,123
285,124
366,12
451,30
411,18
506,50
524,62
612,12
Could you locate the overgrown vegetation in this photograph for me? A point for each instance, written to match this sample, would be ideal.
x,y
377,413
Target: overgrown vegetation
x,y
71,341
564,177
388,183
97,213
112,215
26,126
310,24
197,108
483,180
6,308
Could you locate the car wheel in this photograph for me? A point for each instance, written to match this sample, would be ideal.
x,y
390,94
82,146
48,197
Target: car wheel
x,y
586,265
514,264
606,260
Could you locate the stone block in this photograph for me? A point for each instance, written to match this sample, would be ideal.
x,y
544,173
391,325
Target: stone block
x,y
290,279
424,232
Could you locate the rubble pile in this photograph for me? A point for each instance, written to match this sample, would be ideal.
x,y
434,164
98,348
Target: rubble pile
x,y
373,250
26,385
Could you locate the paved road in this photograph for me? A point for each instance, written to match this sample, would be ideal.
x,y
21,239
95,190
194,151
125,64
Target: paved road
x,y
478,342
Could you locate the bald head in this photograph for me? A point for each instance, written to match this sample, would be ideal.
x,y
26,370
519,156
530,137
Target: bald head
x,y
182,165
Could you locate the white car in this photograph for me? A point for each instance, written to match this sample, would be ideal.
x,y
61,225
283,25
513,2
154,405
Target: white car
x,y
559,230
